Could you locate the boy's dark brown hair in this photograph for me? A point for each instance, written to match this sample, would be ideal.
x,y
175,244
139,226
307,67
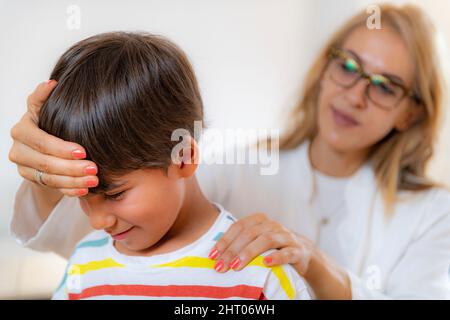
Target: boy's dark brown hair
x,y
121,95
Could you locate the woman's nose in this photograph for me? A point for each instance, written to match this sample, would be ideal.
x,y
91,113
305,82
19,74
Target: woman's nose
x,y
356,94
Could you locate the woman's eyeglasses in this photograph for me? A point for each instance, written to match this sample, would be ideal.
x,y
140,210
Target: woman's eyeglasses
x,y
383,91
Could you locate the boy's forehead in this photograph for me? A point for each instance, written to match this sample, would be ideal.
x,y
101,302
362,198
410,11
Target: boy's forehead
x,y
114,180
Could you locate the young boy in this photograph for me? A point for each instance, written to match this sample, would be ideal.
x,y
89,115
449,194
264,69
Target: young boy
x,y
121,96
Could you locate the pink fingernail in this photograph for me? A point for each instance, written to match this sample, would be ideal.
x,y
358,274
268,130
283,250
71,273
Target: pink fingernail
x,y
90,183
91,170
78,154
213,254
82,192
219,266
267,260
235,263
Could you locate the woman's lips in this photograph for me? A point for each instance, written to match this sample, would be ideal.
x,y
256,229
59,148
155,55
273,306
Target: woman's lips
x,y
342,119
122,235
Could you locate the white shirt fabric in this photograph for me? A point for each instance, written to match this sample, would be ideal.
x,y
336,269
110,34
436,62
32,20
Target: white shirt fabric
x,y
96,270
404,257
330,208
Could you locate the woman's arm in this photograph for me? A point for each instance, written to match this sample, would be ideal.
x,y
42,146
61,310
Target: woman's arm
x,y
325,276
255,234
64,227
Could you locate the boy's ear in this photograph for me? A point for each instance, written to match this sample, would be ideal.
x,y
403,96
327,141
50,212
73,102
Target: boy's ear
x,y
188,158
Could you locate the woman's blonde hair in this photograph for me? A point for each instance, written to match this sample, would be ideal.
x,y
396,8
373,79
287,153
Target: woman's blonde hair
x,y
400,159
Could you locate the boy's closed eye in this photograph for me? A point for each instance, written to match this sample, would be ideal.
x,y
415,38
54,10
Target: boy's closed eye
x,y
111,195
115,196
115,191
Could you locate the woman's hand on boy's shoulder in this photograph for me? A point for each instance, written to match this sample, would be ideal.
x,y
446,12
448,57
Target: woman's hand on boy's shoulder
x,y
255,234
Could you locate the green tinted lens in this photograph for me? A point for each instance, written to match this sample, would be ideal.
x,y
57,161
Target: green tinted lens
x,y
384,92
351,65
379,79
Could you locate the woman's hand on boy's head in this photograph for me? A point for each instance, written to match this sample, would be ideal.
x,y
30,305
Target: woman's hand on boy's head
x,y
33,149
37,98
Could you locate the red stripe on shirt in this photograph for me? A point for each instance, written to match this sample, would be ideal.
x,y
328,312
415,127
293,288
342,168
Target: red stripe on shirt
x,y
240,291
262,296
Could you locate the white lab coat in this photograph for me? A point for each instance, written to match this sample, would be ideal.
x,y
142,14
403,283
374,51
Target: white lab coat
x,y
405,257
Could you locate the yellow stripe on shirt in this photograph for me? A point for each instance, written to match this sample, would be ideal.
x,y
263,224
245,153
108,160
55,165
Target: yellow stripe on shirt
x,y
285,283
190,262
79,269
278,271
200,262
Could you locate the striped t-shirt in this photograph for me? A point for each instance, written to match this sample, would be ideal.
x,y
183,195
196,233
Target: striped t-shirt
x,y
96,270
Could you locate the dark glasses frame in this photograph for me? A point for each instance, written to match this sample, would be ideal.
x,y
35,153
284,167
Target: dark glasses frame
x,y
372,79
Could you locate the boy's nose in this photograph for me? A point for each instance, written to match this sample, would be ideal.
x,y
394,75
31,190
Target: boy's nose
x,y
102,221
99,213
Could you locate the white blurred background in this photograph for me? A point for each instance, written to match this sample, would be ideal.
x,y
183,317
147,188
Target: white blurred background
x,y
250,57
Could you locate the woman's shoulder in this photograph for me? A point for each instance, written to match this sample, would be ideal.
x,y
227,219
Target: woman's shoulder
x,y
434,197
438,199
432,205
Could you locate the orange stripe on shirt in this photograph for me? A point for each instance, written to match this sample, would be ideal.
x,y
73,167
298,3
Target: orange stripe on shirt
x,y
239,291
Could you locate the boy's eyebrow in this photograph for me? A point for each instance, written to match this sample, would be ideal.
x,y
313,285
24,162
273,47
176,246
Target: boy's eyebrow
x,y
112,186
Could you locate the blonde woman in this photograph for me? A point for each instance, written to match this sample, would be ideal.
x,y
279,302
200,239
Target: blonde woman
x,y
351,207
